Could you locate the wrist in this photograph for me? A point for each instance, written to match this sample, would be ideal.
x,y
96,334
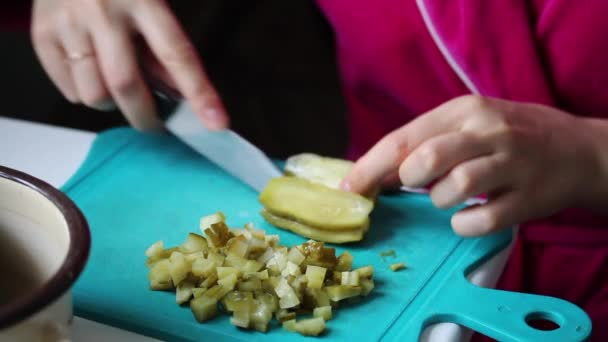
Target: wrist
x,y
595,188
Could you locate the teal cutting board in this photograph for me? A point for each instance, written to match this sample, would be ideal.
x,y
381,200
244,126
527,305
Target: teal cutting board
x,y
135,189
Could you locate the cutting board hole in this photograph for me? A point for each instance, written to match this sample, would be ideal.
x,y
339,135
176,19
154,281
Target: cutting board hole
x,y
543,321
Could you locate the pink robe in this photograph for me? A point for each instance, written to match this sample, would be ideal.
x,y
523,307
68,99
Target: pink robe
x,y
401,58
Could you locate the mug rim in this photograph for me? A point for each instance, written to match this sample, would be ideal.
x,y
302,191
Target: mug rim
x,y
73,264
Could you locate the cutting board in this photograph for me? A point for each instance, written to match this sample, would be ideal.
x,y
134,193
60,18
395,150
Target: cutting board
x,y
135,189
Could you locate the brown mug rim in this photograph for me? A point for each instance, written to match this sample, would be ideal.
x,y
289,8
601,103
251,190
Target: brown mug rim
x,y
73,264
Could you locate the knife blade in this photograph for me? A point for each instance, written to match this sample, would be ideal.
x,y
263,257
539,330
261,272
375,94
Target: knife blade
x,y
225,148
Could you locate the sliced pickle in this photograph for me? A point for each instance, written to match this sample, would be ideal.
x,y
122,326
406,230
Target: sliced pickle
x,y
337,236
318,169
316,205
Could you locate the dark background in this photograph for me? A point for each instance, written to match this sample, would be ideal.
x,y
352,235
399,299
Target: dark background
x,y
273,62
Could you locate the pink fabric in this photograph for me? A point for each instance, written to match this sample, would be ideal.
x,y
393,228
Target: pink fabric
x,y
544,51
391,70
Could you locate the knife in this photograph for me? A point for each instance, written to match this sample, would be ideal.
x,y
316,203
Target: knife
x,y
225,148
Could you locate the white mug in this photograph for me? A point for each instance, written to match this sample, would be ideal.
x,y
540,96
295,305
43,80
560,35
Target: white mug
x,y
44,245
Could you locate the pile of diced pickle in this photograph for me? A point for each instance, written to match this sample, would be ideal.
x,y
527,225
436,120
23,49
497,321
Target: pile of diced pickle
x,y
247,274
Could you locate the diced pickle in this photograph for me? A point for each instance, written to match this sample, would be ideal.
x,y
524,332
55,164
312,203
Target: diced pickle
x,y
240,319
198,291
315,205
160,278
367,285
183,292
223,272
261,315
228,282
237,246
311,326
295,256
323,312
238,301
337,293
319,297
365,272
315,276
345,262
209,281
218,234
289,301
194,243
350,278
207,221
285,315
155,250
178,267
204,308
253,284
290,325
164,254
396,267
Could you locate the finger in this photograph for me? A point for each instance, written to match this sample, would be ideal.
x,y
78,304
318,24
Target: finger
x,y
508,209
85,70
53,59
437,155
117,58
178,56
385,157
379,162
471,178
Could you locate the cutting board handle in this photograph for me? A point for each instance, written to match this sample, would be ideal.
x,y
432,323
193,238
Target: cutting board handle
x,y
509,316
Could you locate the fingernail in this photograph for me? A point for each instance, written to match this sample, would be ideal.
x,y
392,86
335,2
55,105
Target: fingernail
x,y
444,194
212,114
468,224
346,186
105,106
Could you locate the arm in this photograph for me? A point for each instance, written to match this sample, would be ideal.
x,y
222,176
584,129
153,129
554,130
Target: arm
x,y
596,198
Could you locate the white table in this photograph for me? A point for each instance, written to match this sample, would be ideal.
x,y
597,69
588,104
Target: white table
x,y
54,153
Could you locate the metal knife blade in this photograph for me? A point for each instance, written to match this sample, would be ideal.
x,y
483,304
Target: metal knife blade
x,y
225,148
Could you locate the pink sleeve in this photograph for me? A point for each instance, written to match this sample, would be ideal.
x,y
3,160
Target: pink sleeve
x,y
572,37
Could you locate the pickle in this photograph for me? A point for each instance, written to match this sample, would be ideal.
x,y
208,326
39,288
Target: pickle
x,y
160,277
311,326
315,205
397,266
317,169
345,262
323,312
203,308
194,243
255,278
315,276
338,236
155,250
339,292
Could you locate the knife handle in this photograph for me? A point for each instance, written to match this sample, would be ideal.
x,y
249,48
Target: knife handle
x,y
165,98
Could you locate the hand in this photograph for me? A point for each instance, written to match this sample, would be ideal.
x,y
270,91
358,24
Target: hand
x,y
88,50
530,160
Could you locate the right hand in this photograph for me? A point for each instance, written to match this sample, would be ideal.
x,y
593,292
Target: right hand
x,y
88,48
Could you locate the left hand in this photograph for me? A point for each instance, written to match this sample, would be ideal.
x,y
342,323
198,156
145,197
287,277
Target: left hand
x,y
530,160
